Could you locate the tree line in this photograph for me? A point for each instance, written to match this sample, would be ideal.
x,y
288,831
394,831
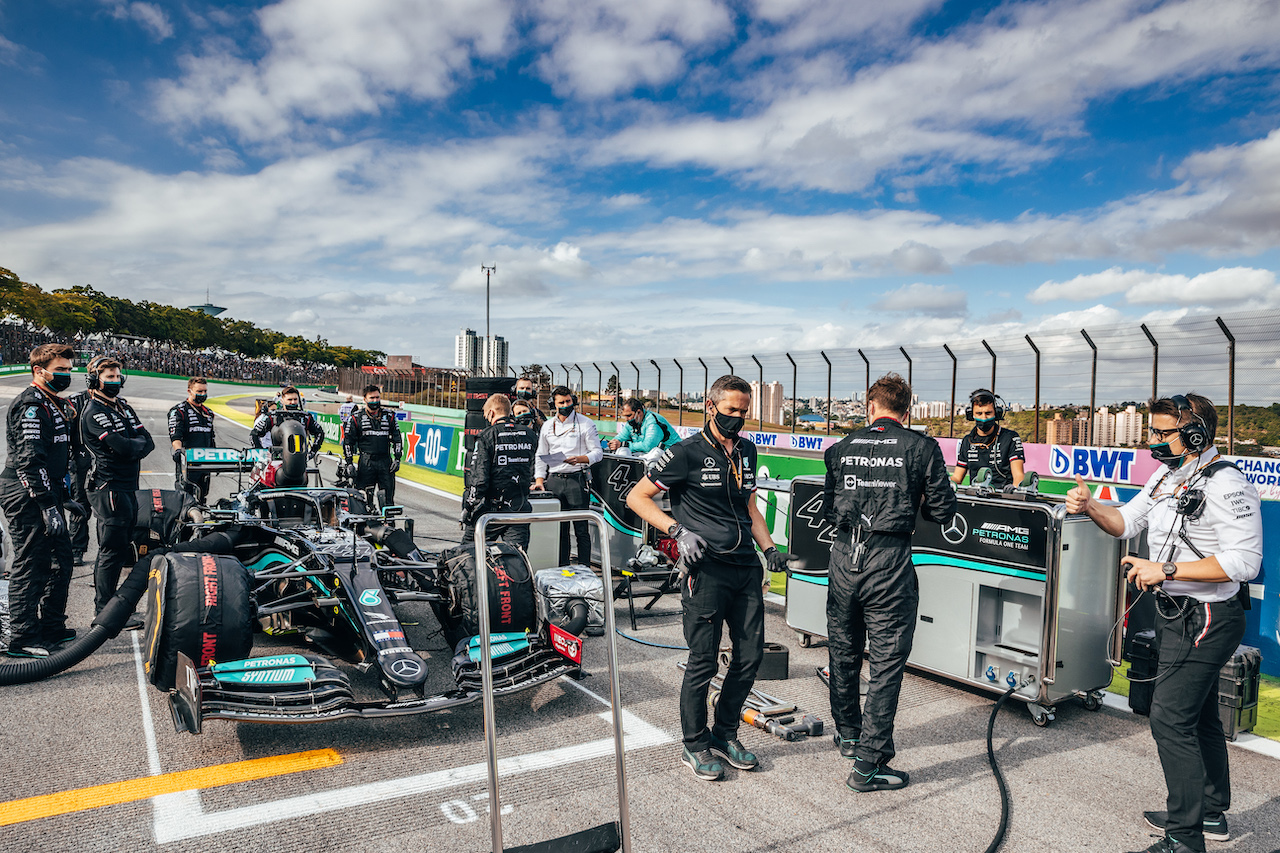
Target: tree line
x,y
82,310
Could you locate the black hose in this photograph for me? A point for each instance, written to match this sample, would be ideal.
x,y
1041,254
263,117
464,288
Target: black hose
x,y
107,625
575,620
995,768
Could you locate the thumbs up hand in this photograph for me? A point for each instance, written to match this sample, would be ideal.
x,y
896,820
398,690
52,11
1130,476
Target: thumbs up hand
x,y
1079,497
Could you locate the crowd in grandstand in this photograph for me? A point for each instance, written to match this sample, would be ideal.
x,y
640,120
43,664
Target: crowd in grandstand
x,y
17,341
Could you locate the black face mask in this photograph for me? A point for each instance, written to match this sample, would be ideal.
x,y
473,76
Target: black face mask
x,y
293,407
565,410
636,423
1162,453
373,405
200,398
111,389
59,382
729,425
524,394
524,418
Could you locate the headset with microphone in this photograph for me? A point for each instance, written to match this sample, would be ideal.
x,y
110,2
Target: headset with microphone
x,y
1194,433
983,396
93,369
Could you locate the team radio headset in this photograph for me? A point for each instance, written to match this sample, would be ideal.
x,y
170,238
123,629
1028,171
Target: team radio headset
x,y
992,443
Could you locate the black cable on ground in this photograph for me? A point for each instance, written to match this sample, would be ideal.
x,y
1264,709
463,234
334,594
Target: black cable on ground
x,y
995,768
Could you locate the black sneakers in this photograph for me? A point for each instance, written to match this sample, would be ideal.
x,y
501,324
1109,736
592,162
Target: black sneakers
x,y
134,624
875,777
1168,845
703,764
57,638
848,745
28,652
1215,825
734,752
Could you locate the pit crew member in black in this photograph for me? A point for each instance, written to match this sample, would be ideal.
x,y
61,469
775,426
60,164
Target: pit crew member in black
x,y
81,462
31,494
260,435
372,432
877,478
191,425
528,394
113,433
711,478
988,444
1204,530
500,474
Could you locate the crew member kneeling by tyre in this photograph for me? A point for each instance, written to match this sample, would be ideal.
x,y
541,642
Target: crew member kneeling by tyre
x,y
711,478
114,434
876,479
372,432
1204,526
39,443
500,474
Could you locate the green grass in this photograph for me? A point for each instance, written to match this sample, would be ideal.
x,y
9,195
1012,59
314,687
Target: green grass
x,y
1268,703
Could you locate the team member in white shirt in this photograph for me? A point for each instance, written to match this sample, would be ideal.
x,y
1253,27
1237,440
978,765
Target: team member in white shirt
x,y
574,437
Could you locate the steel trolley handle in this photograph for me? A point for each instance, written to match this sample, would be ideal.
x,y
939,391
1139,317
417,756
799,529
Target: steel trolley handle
x,y
486,663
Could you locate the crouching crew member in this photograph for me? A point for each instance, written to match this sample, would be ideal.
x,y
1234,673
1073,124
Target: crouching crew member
x,y
876,479
118,441
988,444
643,431
711,478
31,493
500,474
1204,528
372,432
291,401
191,425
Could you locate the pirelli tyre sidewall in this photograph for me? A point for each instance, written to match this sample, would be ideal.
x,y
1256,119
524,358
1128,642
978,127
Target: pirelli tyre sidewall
x,y
197,604
511,602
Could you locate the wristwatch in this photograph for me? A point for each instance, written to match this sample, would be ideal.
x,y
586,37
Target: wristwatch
x,y
1170,569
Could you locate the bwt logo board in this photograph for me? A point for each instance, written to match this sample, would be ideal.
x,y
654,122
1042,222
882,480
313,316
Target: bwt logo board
x,y
429,445
1094,463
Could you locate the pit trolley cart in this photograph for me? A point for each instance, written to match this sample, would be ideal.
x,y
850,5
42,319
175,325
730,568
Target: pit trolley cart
x,y
1013,590
608,837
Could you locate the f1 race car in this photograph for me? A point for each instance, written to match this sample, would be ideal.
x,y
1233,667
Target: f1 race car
x,y
309,565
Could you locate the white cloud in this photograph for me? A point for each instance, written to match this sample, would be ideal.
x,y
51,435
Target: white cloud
x,y
625,201
1092,286
149,16
1228,286
598,48
923,299
330,59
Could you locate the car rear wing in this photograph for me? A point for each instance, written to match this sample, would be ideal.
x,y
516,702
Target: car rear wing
x,y
223,460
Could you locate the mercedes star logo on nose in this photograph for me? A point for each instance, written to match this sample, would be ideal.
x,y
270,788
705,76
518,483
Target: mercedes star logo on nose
x,y
406,668
956,530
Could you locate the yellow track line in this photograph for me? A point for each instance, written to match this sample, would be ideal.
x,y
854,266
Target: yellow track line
x,y
131,790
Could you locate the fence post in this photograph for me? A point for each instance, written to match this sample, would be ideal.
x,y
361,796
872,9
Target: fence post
x,y
658,401
617,376
706,380
1155,360
730,363
951,412
1231,386
599,389
760,401
866,391
582,383
1093,388
680,395
993,366
1036,438
910,368
828,361
793,392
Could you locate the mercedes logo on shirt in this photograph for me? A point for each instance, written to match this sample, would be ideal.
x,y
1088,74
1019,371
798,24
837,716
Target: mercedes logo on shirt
x,y
956,530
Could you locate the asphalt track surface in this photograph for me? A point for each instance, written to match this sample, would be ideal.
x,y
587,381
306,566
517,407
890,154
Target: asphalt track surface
x,y
418,783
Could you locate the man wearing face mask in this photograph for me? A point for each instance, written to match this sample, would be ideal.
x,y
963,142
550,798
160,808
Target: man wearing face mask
x,y
1204,530
877,479
988,444
573,443
500,473
291,400
526,393
711,478
31,494
81,462
115,436
643,431
372,432
191,425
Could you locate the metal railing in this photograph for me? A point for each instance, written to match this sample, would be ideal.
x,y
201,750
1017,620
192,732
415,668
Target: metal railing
x,y
1233,359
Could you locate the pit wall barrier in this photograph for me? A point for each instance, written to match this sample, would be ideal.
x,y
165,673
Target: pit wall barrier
x,y
1115,473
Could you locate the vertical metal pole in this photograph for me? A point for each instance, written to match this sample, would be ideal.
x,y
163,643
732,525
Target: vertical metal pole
x,y
566,376
1231,386
680,395
828,361
793,392
867,390
760,402
1155,360
599,390
1093,389
637,370
488,368
582,384
951,413
658,402
706,387
617,378
1036,438
993,366
726,361
910,367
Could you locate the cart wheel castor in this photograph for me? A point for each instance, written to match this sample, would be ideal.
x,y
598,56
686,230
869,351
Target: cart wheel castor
x,y
1041,718
804,640
1092,702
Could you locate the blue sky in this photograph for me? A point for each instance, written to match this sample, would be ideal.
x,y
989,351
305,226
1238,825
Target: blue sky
x,y
672,177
